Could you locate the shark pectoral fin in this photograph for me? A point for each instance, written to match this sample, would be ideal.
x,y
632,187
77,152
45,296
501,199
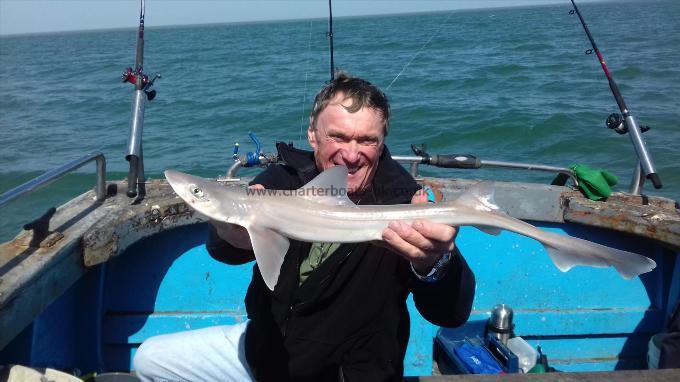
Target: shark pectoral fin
x,y
329,187
480,197
495,231
270,249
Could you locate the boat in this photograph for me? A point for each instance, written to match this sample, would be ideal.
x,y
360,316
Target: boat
x,y
83,285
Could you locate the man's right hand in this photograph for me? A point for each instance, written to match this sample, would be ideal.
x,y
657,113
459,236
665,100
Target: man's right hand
x,y
234,234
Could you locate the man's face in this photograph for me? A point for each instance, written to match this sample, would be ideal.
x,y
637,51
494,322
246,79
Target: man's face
x,y
354,140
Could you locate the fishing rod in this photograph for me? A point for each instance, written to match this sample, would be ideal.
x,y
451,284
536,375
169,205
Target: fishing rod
x,y
143,91
625,122
330,37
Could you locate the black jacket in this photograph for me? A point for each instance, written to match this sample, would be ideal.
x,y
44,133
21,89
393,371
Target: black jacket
x,y
349,319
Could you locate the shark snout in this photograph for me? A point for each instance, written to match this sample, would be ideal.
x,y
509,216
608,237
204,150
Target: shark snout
x,y
184,184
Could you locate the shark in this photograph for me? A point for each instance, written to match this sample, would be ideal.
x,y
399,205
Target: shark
x,y
321,211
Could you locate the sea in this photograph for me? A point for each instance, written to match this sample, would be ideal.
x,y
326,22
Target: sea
x,y
507,84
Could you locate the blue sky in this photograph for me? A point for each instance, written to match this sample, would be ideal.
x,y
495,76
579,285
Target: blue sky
x,y
36,16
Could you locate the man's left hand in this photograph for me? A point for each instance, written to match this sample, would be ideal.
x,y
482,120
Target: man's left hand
x,y
423,242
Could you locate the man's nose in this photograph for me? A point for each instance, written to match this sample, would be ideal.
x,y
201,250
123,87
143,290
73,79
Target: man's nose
x,y
351,152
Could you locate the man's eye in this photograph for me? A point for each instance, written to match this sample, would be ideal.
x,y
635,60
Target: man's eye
x,y
368,142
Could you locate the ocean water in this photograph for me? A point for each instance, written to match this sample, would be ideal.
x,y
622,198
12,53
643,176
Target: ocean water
x,y
502,84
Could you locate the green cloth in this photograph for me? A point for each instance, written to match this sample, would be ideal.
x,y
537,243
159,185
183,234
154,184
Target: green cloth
x,y
596,184
317,254
537,369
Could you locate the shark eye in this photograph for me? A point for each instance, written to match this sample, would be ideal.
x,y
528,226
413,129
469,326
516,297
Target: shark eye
x,y
196,191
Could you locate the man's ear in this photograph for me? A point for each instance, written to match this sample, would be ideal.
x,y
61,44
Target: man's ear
x,y
311,134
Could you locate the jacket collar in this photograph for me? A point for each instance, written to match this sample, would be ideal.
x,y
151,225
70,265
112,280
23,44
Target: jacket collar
x,y
392,184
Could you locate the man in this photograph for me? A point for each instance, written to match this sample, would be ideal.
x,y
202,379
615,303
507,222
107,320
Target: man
x,y
338,312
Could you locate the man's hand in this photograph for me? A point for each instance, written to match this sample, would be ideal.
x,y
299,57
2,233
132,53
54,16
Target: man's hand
x,y
234,234
423,242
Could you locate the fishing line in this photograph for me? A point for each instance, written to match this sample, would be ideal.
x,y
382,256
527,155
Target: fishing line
x,y
628,120
419,50
304,94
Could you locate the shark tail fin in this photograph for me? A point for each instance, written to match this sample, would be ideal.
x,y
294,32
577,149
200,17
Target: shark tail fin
x,y
270,248
581,252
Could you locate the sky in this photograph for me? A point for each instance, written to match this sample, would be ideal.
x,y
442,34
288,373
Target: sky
x,y
39,16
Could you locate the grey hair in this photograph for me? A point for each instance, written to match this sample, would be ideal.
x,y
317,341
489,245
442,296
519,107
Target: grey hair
x,y
361,92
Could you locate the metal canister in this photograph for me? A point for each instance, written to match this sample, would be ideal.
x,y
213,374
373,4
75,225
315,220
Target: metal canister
x,y
500,323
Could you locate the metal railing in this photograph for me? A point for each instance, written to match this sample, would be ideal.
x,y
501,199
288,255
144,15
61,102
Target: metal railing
x,y
415,160
56,173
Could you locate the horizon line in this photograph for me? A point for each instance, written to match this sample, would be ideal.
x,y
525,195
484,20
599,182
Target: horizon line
x,y
147,26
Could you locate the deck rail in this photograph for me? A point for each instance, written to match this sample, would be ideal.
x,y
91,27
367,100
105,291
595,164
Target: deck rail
x,y
57,173
416,160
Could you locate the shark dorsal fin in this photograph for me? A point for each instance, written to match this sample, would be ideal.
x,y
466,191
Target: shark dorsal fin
x,y
480,197
329,187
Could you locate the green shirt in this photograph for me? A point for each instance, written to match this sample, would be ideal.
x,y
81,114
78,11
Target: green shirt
x,y
317,255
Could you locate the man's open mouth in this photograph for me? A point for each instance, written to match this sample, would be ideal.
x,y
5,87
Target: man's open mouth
x,y
350,170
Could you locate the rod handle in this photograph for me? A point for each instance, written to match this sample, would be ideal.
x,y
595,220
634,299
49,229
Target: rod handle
x,y
455,161
132,176
656,181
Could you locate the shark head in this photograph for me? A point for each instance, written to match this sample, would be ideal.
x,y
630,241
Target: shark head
x,y
217,202
233,205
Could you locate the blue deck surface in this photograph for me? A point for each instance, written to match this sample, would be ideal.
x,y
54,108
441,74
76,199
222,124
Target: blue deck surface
x,y
586,319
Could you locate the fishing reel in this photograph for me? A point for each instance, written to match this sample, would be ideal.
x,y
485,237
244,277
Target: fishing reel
x,y
131,76
616,122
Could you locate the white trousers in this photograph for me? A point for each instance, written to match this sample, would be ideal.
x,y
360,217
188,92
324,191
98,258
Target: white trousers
x,y
211,354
